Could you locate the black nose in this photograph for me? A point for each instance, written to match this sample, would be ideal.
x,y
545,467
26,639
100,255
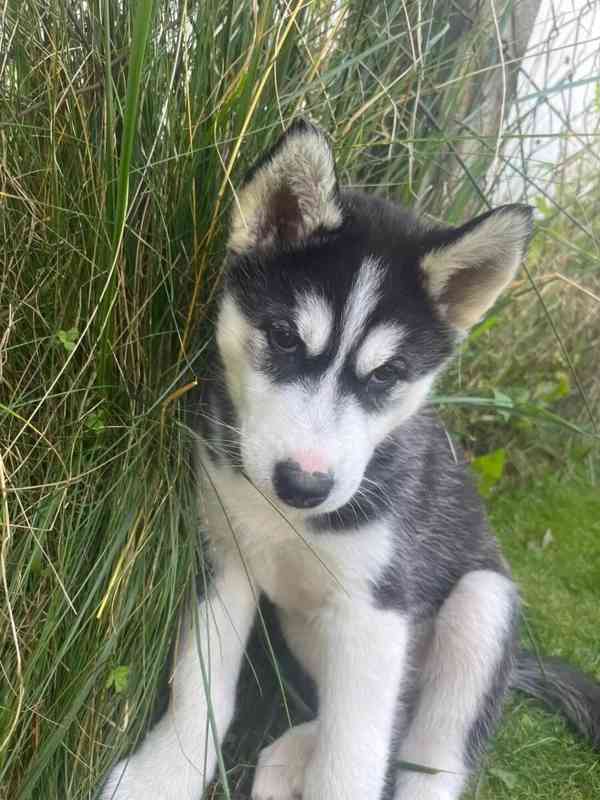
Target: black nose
x,y
299,488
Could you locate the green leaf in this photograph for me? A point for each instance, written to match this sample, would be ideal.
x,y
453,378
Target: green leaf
x,y
412,767
551,391
485,326
118,679
142,24
488,469
563,386
68,339
501,399
96,421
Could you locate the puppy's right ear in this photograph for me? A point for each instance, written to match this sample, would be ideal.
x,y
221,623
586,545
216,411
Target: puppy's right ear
x,y
289,195
465,269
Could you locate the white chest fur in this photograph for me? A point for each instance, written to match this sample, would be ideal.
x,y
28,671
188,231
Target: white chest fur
x,y
299,569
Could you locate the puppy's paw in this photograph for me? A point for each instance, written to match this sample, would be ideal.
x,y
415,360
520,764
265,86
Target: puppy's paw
x,y
127,780
281,766
151,774
123,784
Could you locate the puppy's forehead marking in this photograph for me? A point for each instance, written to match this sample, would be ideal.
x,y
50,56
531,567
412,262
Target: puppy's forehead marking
x,y
362,299
378,346
314,321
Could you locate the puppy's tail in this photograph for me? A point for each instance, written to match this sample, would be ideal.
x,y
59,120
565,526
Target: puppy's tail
x,y
563,688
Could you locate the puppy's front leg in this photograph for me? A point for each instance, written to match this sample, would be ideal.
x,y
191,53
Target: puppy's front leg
x,y
179,755
363,659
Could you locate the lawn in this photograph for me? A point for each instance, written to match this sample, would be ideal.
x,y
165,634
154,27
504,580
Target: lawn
x,y
550,532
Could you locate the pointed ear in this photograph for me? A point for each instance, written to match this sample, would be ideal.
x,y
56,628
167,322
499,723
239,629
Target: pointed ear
x,y
467,268
289,195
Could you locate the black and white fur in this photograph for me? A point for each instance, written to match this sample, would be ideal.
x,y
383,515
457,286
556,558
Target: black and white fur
x,y
327,484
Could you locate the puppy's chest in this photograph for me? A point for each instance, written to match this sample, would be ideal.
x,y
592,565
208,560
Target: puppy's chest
x,y
298,569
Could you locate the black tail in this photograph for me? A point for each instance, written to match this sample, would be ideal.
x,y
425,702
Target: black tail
x,y
564,689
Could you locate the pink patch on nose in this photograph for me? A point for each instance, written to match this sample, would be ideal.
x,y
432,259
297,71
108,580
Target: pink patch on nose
x,y
311,460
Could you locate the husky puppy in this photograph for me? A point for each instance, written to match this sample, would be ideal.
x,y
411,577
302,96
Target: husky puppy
x,y
327,484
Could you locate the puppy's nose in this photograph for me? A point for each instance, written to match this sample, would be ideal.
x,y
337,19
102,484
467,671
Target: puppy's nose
x,y
299,488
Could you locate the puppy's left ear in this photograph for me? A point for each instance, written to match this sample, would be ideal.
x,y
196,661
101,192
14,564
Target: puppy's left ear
x,y
289,195
466,268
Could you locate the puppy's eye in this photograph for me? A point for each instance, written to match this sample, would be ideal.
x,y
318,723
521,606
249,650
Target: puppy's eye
x,y
283,338
387,374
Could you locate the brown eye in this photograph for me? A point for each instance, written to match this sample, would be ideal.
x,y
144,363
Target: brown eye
x,y
387,374
283,338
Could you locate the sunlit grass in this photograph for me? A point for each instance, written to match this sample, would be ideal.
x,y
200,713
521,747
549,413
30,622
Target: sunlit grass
x,y
550,532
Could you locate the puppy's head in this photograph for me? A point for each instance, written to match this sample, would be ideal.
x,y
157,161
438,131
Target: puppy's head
x,y
339,310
